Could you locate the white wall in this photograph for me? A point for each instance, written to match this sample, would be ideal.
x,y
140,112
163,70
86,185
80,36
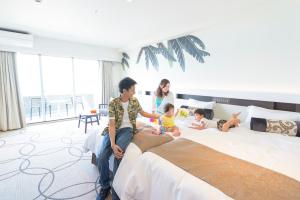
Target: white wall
x,y
60,48
254,56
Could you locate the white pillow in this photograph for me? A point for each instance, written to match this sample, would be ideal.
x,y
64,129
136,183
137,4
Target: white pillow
x,y
201,104
254,111
180,102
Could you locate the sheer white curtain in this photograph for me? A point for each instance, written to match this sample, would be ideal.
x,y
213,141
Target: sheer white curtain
x,y
11,110
107,81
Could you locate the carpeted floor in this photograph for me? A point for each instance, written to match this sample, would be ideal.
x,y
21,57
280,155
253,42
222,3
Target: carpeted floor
x,y
46,162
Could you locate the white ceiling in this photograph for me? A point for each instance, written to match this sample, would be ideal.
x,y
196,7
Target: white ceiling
x,y
117,23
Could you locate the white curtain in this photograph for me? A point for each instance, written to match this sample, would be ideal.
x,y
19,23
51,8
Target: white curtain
x,y
107,81
11,110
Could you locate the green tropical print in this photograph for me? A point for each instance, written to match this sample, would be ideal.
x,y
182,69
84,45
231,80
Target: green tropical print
x,y
116,111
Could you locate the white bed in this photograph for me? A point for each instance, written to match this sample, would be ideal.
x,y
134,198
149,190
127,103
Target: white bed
x,y
148,176
93,143
94,140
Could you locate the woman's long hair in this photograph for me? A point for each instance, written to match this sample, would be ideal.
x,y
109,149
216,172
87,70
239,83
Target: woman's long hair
x,y
163,84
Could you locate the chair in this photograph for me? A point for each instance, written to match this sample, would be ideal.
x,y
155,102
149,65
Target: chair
x,y
78,100
36,102
103,109
69,103
48,105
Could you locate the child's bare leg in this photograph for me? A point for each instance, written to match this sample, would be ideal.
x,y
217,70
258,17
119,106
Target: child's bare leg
x,y
233,121
176,131
155,132
226,126
236,122
235,115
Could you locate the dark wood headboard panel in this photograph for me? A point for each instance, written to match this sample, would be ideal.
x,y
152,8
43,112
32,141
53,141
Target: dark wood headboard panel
x,y
242,102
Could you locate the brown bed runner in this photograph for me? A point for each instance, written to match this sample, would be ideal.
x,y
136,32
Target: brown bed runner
x,y
236,178
145,140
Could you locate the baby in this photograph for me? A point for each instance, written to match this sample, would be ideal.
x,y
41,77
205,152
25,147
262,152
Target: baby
x,y
167,121
200,121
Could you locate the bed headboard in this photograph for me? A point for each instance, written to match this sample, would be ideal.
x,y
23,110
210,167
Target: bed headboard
x,y
241,102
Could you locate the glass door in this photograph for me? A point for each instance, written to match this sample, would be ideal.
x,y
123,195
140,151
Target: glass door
x,y
87,81
29,75
58,87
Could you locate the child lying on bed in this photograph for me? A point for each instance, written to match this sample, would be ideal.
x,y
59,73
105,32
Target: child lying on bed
x,y
201,122
234,121
167,124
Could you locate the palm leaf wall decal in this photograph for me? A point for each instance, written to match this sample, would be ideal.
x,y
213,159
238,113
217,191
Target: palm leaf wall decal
x,y
150,55
140,55
171,51
179,52
147,59
165,52
124,61
191,48
125,55
196,41
190,44
152,52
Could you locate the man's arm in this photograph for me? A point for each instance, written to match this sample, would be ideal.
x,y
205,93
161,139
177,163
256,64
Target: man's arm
x,y
149,115
112,131
112,136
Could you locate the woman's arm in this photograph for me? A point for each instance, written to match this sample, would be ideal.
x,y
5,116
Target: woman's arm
x,y
171,98
153,102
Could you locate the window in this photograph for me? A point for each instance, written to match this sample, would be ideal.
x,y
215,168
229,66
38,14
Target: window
x,y
87,81
55,87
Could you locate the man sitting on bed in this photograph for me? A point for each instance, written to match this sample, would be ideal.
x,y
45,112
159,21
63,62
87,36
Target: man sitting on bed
x,y
117,136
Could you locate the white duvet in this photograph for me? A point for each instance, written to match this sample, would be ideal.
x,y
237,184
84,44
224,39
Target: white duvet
x,y
148,176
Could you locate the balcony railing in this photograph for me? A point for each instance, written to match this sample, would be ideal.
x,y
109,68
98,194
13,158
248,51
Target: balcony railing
x,y
55,107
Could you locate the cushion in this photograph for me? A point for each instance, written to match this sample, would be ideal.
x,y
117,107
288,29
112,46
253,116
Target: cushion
x,y
258,112
291,128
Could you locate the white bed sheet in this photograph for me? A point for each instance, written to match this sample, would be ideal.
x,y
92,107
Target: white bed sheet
x,y
148,176
93,143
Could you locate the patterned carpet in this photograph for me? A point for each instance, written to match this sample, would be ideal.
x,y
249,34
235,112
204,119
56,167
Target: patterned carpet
x,y
46,162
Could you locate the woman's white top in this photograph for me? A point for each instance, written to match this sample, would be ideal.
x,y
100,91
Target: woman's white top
x,y
166,99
